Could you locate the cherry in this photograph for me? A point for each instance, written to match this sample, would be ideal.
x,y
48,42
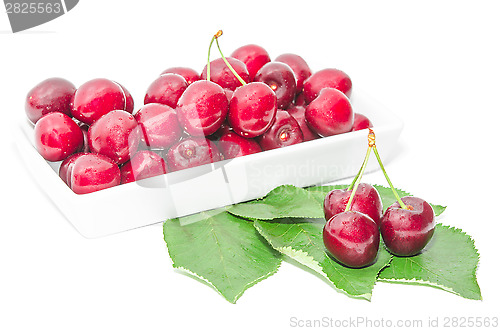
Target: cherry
x,y
252,109
300,100
159,125
352,238
222,75
224,128
253,56
299,66
281,79
89,172
129,101
232,145
366,200
51,95
166,89
192,152
299,113
66,168
85,131
407,231
330,113
333,78
285,131
143,164
361,122
98,97
202,108
190,75
57,136
116,135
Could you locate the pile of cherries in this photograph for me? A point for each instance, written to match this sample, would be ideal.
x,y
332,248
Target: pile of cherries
x,y
239,105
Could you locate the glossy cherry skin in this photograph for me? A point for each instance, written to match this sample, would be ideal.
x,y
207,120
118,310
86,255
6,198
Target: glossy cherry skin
x,y
299,66
116,135
57,136
98,97
252,109
300,100
407,231
299,113
222,75
330,113
332,78
366,200
280,78
66,167
192,152
91,172
233,145
190,75
129,101
51,95
285,131
253,56
143,164
202,108
352,238
159,124
361,122
166,89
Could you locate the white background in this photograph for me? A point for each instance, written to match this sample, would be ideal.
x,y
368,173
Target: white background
x,y
434,64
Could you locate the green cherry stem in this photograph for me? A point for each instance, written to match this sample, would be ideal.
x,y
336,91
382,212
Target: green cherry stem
x,y
218,34
371,143
357,179
225,61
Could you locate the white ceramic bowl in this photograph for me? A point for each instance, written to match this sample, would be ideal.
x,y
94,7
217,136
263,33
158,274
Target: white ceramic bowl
x,y
215,185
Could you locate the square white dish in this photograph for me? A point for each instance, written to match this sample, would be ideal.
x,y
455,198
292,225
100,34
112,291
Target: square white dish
x,y
189,191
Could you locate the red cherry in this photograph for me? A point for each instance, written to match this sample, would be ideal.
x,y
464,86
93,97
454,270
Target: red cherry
x,y
330,113
299,66
159,125
98,97
166,89
190,75
285,131
361,122
202,108
143,164
66,167
252,109
92,172
116,135
332,78
222,75
57,136
232,145
281,79
299,113
253,56
352,238
192,152
51,95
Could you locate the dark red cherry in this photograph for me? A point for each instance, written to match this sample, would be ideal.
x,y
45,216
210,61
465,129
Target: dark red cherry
x,y
285,131
361,122
129,101
280,78
57,136
159,124
299,66
252,109
202,108
233,145
66,167
299,113
332,78
352,238
51,95
330,113
253,56
166,89
190,75
222,75
91,172
116,135
142,165
366,200
192,152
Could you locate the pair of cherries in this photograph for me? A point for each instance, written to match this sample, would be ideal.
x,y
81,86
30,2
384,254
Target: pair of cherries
x,y
355,221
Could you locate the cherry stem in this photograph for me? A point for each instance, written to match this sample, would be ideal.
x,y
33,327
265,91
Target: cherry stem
x,y
357,179
218,34
225,61
371,143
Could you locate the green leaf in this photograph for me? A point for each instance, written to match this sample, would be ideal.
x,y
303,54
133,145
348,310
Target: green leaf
x,y
221,249
283,201
303,242
449,262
